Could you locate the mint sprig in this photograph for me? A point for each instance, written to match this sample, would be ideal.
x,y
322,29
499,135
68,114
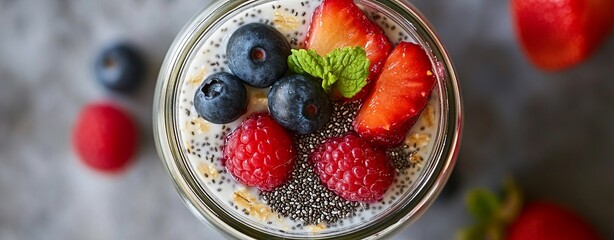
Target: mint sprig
x,y
344,69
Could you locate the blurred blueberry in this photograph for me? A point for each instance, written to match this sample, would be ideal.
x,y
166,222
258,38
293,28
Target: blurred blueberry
x,y
120,67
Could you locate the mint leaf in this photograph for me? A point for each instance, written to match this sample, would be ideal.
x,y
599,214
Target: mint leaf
x,y
483,204
328,80
308,62
351,66
344,69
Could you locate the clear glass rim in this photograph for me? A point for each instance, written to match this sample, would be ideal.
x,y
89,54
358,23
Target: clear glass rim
x,y
201,205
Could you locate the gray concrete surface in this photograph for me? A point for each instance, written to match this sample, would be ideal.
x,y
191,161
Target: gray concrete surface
x,y
552,131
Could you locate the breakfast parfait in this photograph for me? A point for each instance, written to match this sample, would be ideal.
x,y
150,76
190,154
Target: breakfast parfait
x,y
308,118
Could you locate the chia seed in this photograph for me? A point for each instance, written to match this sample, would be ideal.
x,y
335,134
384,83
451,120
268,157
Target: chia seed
x,y
303,198
400,157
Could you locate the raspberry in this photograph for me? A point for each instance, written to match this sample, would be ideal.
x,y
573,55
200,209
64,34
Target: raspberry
x,y
259,153
105,137
352,168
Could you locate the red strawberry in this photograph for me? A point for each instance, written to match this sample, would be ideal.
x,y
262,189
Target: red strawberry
x,y
259,153
105,137
547,221
399,96
340,23
559,34
353,169
504,217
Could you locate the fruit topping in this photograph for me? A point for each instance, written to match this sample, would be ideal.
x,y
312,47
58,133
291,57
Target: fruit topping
x,y
399,96
257,54
105,137
345,70
221,98
560,34
119,67
259,153
299,104
340,23
352,168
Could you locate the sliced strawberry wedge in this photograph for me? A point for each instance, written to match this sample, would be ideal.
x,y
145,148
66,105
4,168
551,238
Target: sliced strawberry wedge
x,y
399,96
561,34
340,23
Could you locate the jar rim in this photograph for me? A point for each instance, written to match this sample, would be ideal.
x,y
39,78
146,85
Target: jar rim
x,y
204,207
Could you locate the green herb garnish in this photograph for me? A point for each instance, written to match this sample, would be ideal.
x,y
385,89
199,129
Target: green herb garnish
x,y
344,69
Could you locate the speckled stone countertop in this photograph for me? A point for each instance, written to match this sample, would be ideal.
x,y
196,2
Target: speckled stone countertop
x,y
553,131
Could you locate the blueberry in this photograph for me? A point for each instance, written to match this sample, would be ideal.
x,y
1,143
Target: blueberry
x,y
299,103
258,54
221,98
120,67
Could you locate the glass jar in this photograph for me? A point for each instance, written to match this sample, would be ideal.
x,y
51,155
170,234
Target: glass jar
x,y
407,208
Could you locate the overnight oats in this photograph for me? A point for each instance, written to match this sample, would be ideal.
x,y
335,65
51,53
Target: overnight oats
x,y
308,119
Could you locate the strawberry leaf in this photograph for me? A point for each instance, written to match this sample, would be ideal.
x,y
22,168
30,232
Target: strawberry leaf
x,y
483,204
512,203
492,213
475,232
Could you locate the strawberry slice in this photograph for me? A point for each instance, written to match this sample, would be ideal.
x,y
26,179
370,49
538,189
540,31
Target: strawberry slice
x,y
340,23
399,96
560,34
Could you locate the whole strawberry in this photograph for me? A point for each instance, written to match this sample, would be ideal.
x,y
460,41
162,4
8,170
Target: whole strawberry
x,y
352,168
548,221
506,218
105,137
557,34
259,153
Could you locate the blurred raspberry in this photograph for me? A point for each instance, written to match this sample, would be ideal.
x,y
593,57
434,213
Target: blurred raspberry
x,y
105,137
